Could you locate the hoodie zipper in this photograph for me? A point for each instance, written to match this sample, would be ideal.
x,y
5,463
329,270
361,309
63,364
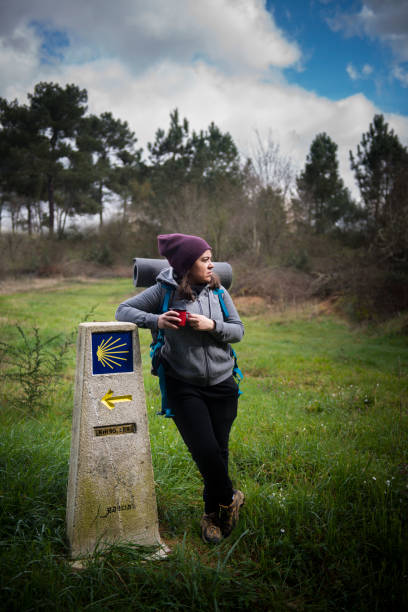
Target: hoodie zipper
x,y
202,344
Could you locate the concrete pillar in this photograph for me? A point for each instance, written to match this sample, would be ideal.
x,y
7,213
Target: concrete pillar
x,y
111,494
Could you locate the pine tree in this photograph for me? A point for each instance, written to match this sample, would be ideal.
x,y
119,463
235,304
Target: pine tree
x,y
323,200
56,114
381,171
115,161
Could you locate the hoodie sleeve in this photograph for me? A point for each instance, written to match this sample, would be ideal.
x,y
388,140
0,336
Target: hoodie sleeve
x,y
142,309
232,329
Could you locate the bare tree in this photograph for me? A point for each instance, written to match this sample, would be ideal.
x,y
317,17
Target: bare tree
x,y
271,167
270,179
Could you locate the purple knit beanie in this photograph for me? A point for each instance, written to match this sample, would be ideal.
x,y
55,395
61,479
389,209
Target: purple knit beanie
x,y
181,250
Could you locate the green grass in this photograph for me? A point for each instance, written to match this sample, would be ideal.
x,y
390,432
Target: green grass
x,y
319,447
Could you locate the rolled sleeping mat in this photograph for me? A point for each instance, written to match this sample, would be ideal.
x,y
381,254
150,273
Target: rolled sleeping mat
x,y
145,271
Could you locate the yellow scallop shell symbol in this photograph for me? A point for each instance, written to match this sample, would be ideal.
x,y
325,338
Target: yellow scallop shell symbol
x,y
108,353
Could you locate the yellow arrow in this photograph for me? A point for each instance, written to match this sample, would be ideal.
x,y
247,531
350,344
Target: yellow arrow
x,y
110,401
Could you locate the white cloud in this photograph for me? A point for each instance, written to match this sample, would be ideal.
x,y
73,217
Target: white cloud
x,y
236,35
352,72
402,75
18,61
387,21
356,74
140,60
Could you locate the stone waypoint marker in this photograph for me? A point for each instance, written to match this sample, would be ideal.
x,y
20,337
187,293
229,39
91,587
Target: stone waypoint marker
x,y
111,496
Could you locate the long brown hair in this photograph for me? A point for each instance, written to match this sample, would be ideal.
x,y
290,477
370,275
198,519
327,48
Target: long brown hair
x,y
186,291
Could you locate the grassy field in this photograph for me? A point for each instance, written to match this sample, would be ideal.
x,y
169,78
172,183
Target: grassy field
x,y
319,447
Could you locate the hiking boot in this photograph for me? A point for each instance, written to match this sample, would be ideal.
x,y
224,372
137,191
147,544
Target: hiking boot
x,y
210,528
229,515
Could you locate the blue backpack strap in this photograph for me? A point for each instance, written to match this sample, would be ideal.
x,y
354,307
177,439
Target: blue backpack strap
x,y
219,293
236,372
156,346
169,291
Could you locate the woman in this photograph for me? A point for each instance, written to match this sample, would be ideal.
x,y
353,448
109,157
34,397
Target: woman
x,y
201,391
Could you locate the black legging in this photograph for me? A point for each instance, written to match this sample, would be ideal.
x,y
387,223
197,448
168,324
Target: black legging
x,y
204,416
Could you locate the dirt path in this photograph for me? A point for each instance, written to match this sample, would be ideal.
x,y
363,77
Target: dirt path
x,y
30,283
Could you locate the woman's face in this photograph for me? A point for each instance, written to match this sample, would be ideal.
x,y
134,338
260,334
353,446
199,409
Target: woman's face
x,y
201,270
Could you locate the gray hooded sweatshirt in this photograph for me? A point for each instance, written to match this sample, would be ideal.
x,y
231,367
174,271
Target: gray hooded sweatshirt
x,y
197,357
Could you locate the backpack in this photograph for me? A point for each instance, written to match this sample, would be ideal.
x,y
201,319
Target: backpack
x,y
156,346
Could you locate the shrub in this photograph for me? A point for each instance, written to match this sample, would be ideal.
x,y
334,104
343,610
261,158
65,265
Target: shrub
x,y
34,366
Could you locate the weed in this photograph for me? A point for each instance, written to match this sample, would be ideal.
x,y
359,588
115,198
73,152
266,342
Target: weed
x,y
319,447
34,364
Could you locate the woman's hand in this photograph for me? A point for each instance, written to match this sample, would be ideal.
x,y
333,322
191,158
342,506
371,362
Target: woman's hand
x,y
169,320
200,322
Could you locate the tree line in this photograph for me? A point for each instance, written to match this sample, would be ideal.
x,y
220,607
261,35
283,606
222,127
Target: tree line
x,y
58,161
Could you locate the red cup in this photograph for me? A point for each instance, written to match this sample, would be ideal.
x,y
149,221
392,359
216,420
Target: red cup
x,y
183,314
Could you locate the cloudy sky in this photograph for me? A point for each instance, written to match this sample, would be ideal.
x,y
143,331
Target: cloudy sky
x,y
287,70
